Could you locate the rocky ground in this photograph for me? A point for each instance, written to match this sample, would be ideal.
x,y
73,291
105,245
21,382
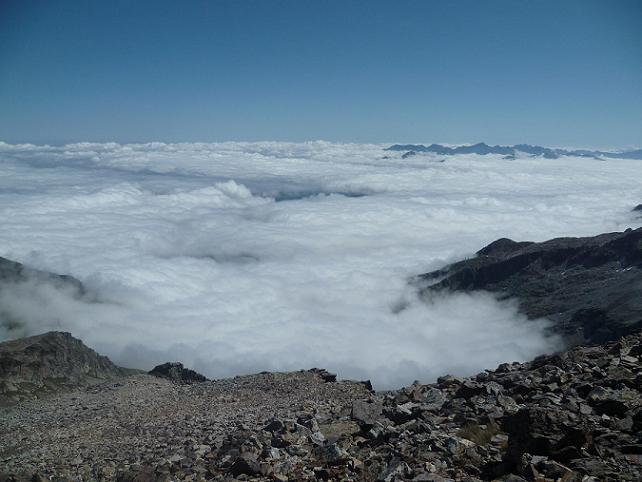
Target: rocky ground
x,y
574,416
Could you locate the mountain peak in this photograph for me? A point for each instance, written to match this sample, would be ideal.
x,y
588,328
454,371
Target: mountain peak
x,y
481,148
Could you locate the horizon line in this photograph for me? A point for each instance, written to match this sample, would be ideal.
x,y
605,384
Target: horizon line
x,y
631,147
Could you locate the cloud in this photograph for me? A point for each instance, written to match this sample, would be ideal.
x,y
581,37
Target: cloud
x,y
241,257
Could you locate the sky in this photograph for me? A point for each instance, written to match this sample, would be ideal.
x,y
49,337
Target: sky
x,y
557,73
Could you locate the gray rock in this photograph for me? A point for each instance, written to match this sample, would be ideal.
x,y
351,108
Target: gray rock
x,y
607,401
433,399
177,373
366,412
245,465
332,454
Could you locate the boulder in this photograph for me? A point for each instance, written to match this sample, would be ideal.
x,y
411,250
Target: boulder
x,y
607,401
177,373
366,412
245,465
433,399
325,375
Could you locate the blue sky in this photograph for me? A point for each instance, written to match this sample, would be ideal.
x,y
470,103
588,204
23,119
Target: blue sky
x,y
563,73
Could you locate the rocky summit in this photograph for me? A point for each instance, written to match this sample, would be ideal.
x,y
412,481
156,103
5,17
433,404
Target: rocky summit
x,y
591,288
176,372
34,366
572,416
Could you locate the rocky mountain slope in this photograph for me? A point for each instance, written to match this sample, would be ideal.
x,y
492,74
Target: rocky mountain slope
x,y
591,288
573,416
31,367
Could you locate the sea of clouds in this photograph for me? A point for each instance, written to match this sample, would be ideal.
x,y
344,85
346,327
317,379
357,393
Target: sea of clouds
x,y
242,257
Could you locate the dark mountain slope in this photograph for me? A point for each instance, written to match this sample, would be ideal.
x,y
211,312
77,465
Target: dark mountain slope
x,y
590,287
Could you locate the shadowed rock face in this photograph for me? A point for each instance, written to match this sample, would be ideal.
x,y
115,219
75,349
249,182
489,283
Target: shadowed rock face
x,y
50,362
590,287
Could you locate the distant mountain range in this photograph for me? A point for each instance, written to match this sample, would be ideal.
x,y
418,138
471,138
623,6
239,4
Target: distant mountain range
x,y
512,151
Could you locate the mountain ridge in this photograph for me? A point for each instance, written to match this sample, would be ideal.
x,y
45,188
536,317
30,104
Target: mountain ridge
x,y
590,288
481,148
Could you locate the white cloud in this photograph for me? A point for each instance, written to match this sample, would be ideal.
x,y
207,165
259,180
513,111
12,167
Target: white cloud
x,y
196,260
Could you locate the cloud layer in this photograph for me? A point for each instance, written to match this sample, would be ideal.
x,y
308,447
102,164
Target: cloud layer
x,y
241,257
